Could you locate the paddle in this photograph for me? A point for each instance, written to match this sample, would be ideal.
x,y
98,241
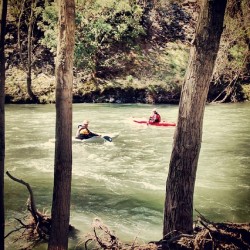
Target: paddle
x,y
107,138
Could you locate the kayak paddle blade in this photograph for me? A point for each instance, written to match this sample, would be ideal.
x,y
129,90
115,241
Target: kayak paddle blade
x,y
107,138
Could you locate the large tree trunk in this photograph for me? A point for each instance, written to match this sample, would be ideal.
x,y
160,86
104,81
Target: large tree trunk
x,y
178,214
3,13
63,147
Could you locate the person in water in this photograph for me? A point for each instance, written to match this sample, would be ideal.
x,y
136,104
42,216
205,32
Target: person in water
x,y
155,117
83,131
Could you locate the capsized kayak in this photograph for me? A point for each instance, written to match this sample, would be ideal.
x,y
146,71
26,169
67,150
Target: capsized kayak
x,y
158,124
97,139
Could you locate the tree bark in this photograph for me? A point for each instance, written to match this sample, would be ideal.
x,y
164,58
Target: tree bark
x,y
3,13
19,32
63,146
29,48
178,214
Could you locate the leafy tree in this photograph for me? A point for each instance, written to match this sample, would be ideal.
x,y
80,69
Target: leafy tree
x,y
178,214
49,26
233,62
3,14
103,30
63,147
26,13
29,50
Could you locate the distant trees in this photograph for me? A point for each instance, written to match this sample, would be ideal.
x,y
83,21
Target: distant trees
x,y
103,32
178,214
120,38
231,73
63,146
26,12
3,14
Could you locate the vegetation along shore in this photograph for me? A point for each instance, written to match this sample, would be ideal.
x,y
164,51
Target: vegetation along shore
x,y
124,53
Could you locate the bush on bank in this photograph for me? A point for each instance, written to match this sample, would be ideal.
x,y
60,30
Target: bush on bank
x,y
125,52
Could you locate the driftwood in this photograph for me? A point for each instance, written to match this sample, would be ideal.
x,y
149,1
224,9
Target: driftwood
x,y
222,235
37,227
103,238
207,236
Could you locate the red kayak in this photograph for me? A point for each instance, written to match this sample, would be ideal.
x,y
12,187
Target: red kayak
x,y
159,124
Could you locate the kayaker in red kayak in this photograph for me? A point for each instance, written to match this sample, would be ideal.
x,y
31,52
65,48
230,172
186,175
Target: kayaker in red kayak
x,y
155,117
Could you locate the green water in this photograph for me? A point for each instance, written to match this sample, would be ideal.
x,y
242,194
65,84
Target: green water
x,y
123,182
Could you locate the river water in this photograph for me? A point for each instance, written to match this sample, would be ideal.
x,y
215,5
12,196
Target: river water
x,y
123,182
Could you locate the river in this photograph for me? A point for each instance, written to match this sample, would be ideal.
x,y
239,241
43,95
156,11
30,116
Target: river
x,y
123,182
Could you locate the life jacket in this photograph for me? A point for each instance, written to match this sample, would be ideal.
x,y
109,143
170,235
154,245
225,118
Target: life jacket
x,y
83,133
157,117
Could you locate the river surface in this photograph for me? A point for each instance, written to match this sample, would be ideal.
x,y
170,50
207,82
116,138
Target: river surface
x,y
123,182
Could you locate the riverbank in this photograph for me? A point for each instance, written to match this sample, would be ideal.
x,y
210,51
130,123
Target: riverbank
x,y
150,68
121,90
126,90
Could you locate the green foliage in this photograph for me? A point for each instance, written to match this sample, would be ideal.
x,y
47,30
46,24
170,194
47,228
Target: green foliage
x,y
170,65
100,25
246,91
237,54
15,7
49,26
21,9
177,59
234,43
129,40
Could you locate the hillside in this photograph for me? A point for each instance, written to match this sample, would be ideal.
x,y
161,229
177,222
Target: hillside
x,y
148,67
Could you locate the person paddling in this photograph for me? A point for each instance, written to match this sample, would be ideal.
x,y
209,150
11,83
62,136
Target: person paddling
x,y
155,117
83,131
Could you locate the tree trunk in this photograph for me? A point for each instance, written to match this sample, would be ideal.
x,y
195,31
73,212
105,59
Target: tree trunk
x,y
63,146
3,13
178,214
19,32
29,48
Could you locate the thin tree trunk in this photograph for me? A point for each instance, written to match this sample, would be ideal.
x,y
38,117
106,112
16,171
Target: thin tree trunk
x,y
29,48
19,32
3,13
178,214
63,147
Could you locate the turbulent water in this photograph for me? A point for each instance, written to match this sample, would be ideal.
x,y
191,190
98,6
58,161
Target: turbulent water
x,y
123,182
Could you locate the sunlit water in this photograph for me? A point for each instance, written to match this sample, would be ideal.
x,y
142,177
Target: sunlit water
x,y
123,182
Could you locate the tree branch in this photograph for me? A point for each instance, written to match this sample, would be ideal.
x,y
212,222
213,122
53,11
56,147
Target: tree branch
x,y
32,209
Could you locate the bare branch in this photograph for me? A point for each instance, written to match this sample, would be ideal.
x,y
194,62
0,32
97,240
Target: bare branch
x,y
33,209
